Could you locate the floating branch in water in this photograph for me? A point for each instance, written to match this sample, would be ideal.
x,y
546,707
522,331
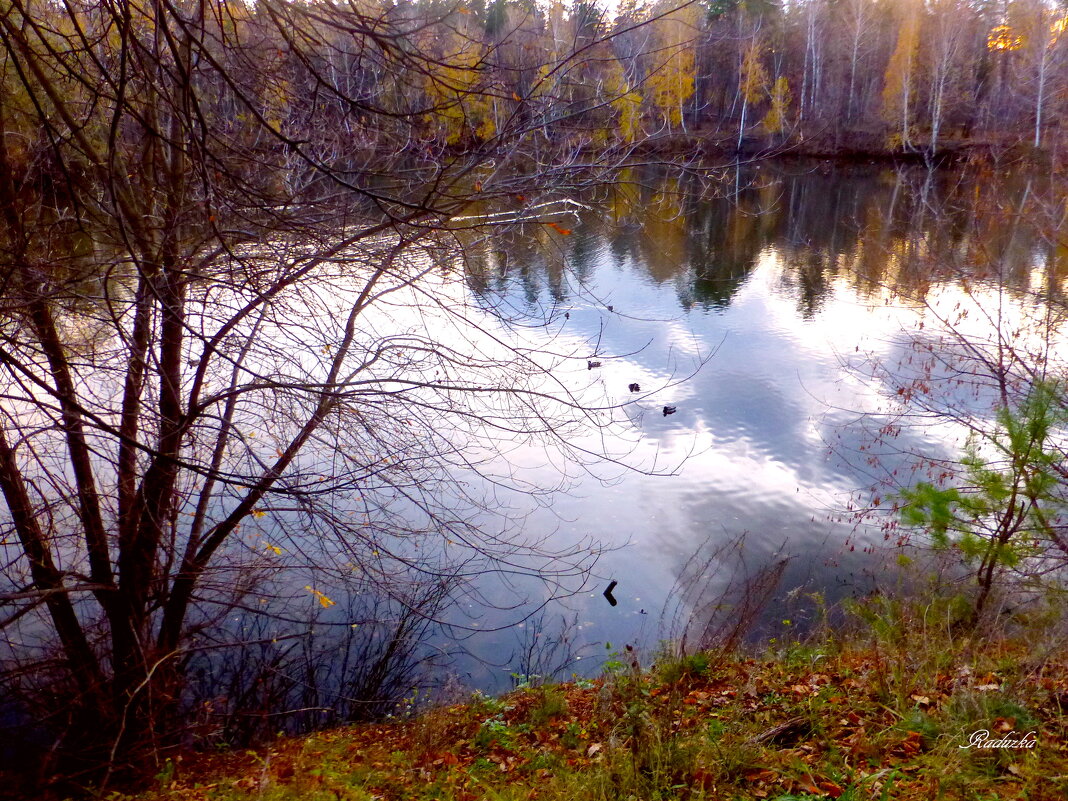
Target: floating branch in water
x,y
608,593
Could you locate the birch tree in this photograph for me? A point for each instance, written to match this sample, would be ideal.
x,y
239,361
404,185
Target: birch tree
x,y
670,82
948,20
1046,55
900,76
752,81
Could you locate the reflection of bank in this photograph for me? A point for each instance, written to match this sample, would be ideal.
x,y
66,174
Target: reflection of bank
x,y
731,594
296,667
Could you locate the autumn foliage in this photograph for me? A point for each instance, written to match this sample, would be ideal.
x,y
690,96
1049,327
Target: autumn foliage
x,y
878,714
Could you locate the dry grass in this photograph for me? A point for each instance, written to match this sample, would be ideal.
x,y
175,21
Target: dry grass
x,y
879,714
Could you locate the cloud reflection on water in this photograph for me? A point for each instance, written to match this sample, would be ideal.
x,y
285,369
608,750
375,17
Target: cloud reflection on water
x,y
798,285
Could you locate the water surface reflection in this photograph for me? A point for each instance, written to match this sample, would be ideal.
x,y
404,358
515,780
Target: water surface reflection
x,y
788,294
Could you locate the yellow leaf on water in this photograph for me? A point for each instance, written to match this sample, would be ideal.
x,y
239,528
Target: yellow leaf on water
x,y
324,602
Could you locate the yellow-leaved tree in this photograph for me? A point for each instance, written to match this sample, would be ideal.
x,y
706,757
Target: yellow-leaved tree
x,y
752,80
898,102
775,119
462,108
671,80
623,98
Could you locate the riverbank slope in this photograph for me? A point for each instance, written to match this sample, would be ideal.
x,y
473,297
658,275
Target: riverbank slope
x,y
903,712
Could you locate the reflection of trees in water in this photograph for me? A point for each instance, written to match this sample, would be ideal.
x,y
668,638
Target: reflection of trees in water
x,y
987,290
529,258
719,596
875,227
266,676
874,235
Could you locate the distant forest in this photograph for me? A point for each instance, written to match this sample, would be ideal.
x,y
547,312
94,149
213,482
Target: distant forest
x,y
898,74
829,75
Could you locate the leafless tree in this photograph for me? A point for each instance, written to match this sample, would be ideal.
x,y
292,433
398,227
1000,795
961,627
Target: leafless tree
x,y
236,340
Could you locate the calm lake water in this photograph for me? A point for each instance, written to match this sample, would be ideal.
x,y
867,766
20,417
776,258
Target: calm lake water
x,y
778,313
815,333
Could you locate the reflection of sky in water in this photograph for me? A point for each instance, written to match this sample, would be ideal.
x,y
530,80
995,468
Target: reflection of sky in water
x,y
767,432
772,321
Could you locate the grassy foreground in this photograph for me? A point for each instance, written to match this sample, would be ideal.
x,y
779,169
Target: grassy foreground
x,y
879,716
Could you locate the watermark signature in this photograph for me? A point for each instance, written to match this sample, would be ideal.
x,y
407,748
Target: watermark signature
x,y
982,739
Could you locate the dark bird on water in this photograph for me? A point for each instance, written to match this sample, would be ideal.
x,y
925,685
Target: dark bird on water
x,y
608,593
669,410
634,387
611,308
590,365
